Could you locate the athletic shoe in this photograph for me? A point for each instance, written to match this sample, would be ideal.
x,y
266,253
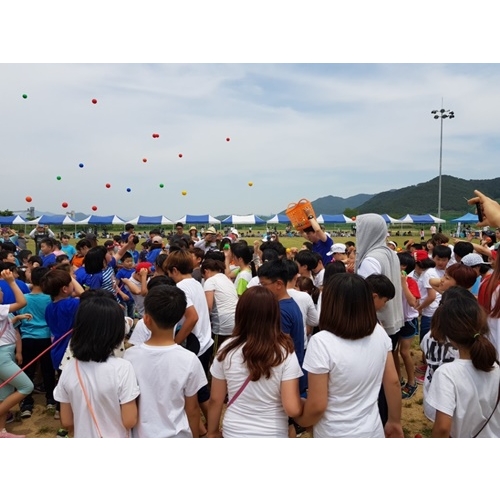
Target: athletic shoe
x,y
57,415
5,434
39,389
421,369
62,433
408,391
419,379
26,413
50,407
10,417
402,382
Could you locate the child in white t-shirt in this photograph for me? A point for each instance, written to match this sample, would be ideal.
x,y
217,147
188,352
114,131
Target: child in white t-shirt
x,y
169,375
98,391
465,393
11,357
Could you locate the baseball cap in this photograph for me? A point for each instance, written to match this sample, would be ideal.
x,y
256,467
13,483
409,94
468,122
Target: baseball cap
x,y
420,255
337,248
473,259
91,236
143,265
157,239
211,230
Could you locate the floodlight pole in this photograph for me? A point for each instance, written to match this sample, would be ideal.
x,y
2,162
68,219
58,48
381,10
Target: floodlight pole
x,y
441,113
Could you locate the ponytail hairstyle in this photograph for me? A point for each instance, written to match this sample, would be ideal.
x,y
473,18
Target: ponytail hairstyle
x,y
242,251
464,322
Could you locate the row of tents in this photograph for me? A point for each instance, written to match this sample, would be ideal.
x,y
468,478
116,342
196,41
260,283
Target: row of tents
x,y
233,220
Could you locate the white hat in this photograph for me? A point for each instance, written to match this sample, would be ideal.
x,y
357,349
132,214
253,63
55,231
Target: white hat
x,y
337,248
473,259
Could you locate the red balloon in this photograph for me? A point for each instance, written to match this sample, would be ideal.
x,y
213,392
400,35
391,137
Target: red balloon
x,y
144,160
155,136
94,208
108,185
180,155
64,205
228,139
29,199
94,101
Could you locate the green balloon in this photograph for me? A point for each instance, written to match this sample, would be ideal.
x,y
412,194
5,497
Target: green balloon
x,y
58,177
162,185
25,96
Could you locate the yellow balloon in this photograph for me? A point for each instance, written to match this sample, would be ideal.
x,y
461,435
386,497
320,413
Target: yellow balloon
x,y
250,184
184,193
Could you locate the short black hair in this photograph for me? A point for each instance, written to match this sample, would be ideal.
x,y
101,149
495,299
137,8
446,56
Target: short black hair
x,y
128,227
85,243
463,248
160,280
37,274
381,285
127,255
441,251
99,329
292,269
48,241
307,258
273,270
406,259
35,259
165,305
94,260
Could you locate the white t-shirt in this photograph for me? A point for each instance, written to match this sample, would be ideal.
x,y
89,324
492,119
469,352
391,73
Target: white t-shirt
x,y
224,306
355,369
138,298
242,280
195,296
166,376
254,282
108,385
7,331
307,308
318,279
424,283
140,334
369,266
435,354
258,411
469,396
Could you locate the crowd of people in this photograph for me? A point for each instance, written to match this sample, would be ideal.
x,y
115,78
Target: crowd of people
x,y
208,335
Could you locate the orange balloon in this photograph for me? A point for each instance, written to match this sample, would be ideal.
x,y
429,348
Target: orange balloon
x,y
29,199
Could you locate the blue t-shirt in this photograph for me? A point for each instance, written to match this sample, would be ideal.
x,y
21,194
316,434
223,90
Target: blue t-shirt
x,y
60,317
125,273
48,260
323,247
8,294
475,287
293,325
69,250
36,328
152,254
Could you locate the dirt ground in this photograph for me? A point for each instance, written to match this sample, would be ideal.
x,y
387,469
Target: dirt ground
x,y
43,425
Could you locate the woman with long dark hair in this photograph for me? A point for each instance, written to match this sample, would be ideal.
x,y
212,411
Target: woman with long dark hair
x,y
258,370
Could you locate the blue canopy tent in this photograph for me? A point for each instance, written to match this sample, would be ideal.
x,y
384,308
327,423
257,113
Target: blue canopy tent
x,y
467,218
12,219
279,219
420,219
198,219
53,219
102,220
333,219
246,220
389,219
154,220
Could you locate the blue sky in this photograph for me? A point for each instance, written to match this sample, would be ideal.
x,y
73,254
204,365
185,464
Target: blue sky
x,y
296,131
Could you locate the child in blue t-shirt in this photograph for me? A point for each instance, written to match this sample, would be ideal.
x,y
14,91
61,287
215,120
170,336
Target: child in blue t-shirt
x,y
35,336
68,249
124,295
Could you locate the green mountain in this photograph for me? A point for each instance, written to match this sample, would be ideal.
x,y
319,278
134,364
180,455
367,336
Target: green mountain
x,y
423,198
335,205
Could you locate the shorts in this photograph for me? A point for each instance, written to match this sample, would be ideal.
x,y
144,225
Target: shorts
x,y
409,329
8,367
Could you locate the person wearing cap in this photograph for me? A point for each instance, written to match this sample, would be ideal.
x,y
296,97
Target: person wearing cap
x,y
476,262
179,235
392,245
320,240
193,234
137,285
92,237
338,252
209,240
155,249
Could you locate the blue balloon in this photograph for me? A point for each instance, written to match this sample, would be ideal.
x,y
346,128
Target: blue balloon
x,y
128,190
81,165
